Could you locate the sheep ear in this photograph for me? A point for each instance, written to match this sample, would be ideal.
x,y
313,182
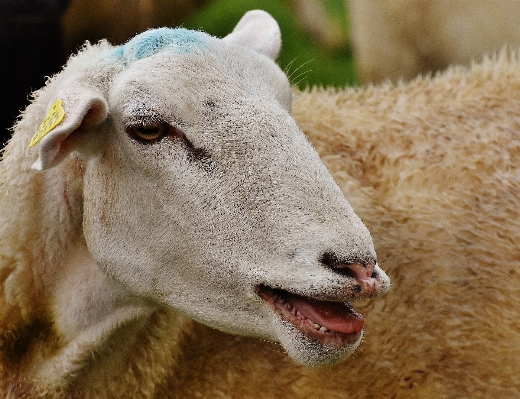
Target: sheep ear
x,y
73,110
259,32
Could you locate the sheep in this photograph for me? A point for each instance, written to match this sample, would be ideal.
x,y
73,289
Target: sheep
x,y
163,183
431,168
400,39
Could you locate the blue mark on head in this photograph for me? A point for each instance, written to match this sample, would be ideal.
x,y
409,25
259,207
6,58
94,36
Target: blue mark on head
x,y
180,41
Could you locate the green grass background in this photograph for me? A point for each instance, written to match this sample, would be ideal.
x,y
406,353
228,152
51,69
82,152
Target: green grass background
x,y
304,61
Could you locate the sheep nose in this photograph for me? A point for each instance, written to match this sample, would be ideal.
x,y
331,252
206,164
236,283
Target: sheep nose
x,y
355,269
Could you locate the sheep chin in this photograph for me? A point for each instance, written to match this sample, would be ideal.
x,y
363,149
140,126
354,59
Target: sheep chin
x,y
308,351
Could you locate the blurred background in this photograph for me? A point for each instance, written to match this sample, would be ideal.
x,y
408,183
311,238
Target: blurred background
x,y
39,35
324,42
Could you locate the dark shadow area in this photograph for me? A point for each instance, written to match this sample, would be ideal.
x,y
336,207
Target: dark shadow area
x,y
31,48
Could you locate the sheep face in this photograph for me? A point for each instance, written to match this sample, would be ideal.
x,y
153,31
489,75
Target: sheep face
x,y
201,193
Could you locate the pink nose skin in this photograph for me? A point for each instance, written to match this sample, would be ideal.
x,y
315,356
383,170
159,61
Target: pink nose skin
x,y
367,281
366,285
358,270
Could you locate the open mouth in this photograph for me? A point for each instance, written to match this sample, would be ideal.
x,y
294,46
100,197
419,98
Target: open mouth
x,y
332,323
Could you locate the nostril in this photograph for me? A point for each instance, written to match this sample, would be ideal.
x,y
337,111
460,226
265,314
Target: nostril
x,y
355,269
361,271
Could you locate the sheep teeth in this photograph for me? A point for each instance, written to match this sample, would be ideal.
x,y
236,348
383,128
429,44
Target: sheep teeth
x,y
300,316
317,327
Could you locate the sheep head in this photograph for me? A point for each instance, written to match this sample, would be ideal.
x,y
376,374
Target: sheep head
x,y
201,193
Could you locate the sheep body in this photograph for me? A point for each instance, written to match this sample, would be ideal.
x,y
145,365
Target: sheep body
x,y
433,168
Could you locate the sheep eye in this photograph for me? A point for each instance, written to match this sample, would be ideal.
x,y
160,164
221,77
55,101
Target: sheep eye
x,y
150,133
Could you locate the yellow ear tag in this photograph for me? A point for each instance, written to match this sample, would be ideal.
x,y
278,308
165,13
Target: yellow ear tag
x,y
53,118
